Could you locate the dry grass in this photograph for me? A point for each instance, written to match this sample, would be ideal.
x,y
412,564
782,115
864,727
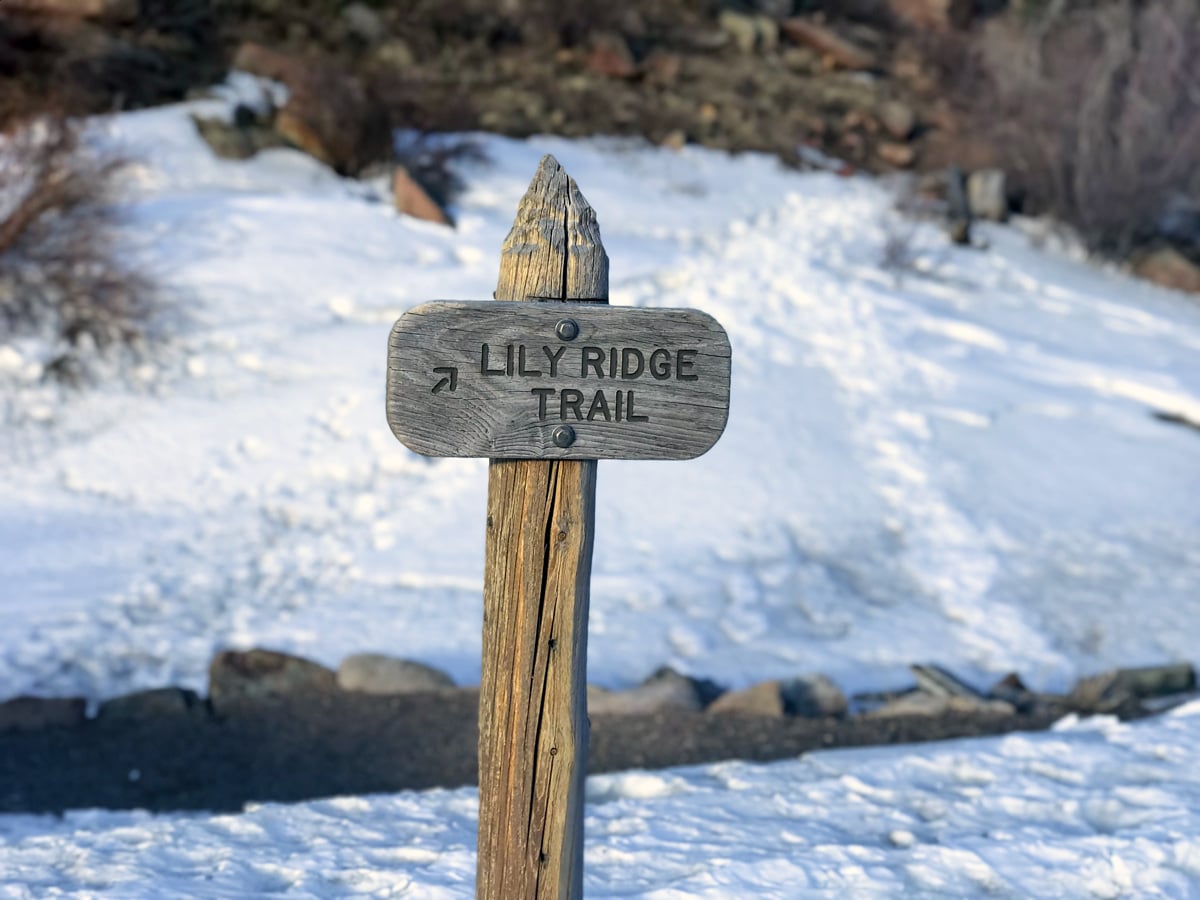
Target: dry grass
x,y
61,278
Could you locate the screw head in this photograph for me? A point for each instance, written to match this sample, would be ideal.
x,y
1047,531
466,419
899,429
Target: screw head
x,y
563,436
567,329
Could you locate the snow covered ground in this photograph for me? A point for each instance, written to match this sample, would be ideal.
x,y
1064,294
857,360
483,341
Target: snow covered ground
x,y
955,463
1097,809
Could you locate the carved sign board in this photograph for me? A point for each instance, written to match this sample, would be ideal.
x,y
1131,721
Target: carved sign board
x,y
555,380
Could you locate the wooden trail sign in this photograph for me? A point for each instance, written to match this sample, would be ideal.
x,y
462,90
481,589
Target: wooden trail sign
x,y
557,381
466,379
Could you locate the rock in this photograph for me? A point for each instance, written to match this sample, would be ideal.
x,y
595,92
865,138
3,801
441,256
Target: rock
x,y
36,713
958,211
959,231
225,139
749,33
810,696
938,14
768,34
828,43
813,697
898,119
919,703
802,59
1169,268
99,10
364,23
413,200
393,54
610,56
633,25
900,156
375,673
160,703
934,679
664,690
245,136
328,114
257,676
1117,688
675,139
987,196
762,699
663,67
1011,689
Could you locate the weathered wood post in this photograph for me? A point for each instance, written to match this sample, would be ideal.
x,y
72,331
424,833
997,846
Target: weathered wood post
x,y
545,383
533,726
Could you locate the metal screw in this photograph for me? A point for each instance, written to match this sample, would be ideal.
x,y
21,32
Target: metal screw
x,y
563,436
567,329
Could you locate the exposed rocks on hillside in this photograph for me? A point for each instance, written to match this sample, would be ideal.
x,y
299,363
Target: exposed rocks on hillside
x,y
867,83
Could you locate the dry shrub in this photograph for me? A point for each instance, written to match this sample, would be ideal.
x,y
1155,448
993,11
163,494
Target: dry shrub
x,y
61,280
1095,111
431,160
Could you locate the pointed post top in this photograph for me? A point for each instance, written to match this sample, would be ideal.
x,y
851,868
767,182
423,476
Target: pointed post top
x,y
553,250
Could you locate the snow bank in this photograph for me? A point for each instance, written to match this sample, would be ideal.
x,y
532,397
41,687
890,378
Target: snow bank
x,y
957,464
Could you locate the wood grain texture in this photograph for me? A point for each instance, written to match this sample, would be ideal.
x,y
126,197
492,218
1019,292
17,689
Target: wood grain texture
x,y
533,728
455,388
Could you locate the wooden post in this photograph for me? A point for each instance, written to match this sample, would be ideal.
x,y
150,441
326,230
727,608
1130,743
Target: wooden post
x,y
533,728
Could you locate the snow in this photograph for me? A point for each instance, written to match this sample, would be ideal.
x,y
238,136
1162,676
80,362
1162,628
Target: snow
x,y
956,463
1093,809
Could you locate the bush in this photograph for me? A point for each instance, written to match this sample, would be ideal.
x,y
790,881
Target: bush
x,y
1095,111
61,280
431,160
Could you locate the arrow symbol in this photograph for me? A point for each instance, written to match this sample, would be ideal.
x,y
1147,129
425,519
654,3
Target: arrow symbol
x,y
451,373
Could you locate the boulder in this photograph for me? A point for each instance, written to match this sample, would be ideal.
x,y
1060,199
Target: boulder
x,y
1119,688
1011,689
376,673
665,690
246,135
413,200
254,676
160,703
810,696
1169,268
750,33
36,713
987,196
919,703
828,43
898,119
98,10
933,679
